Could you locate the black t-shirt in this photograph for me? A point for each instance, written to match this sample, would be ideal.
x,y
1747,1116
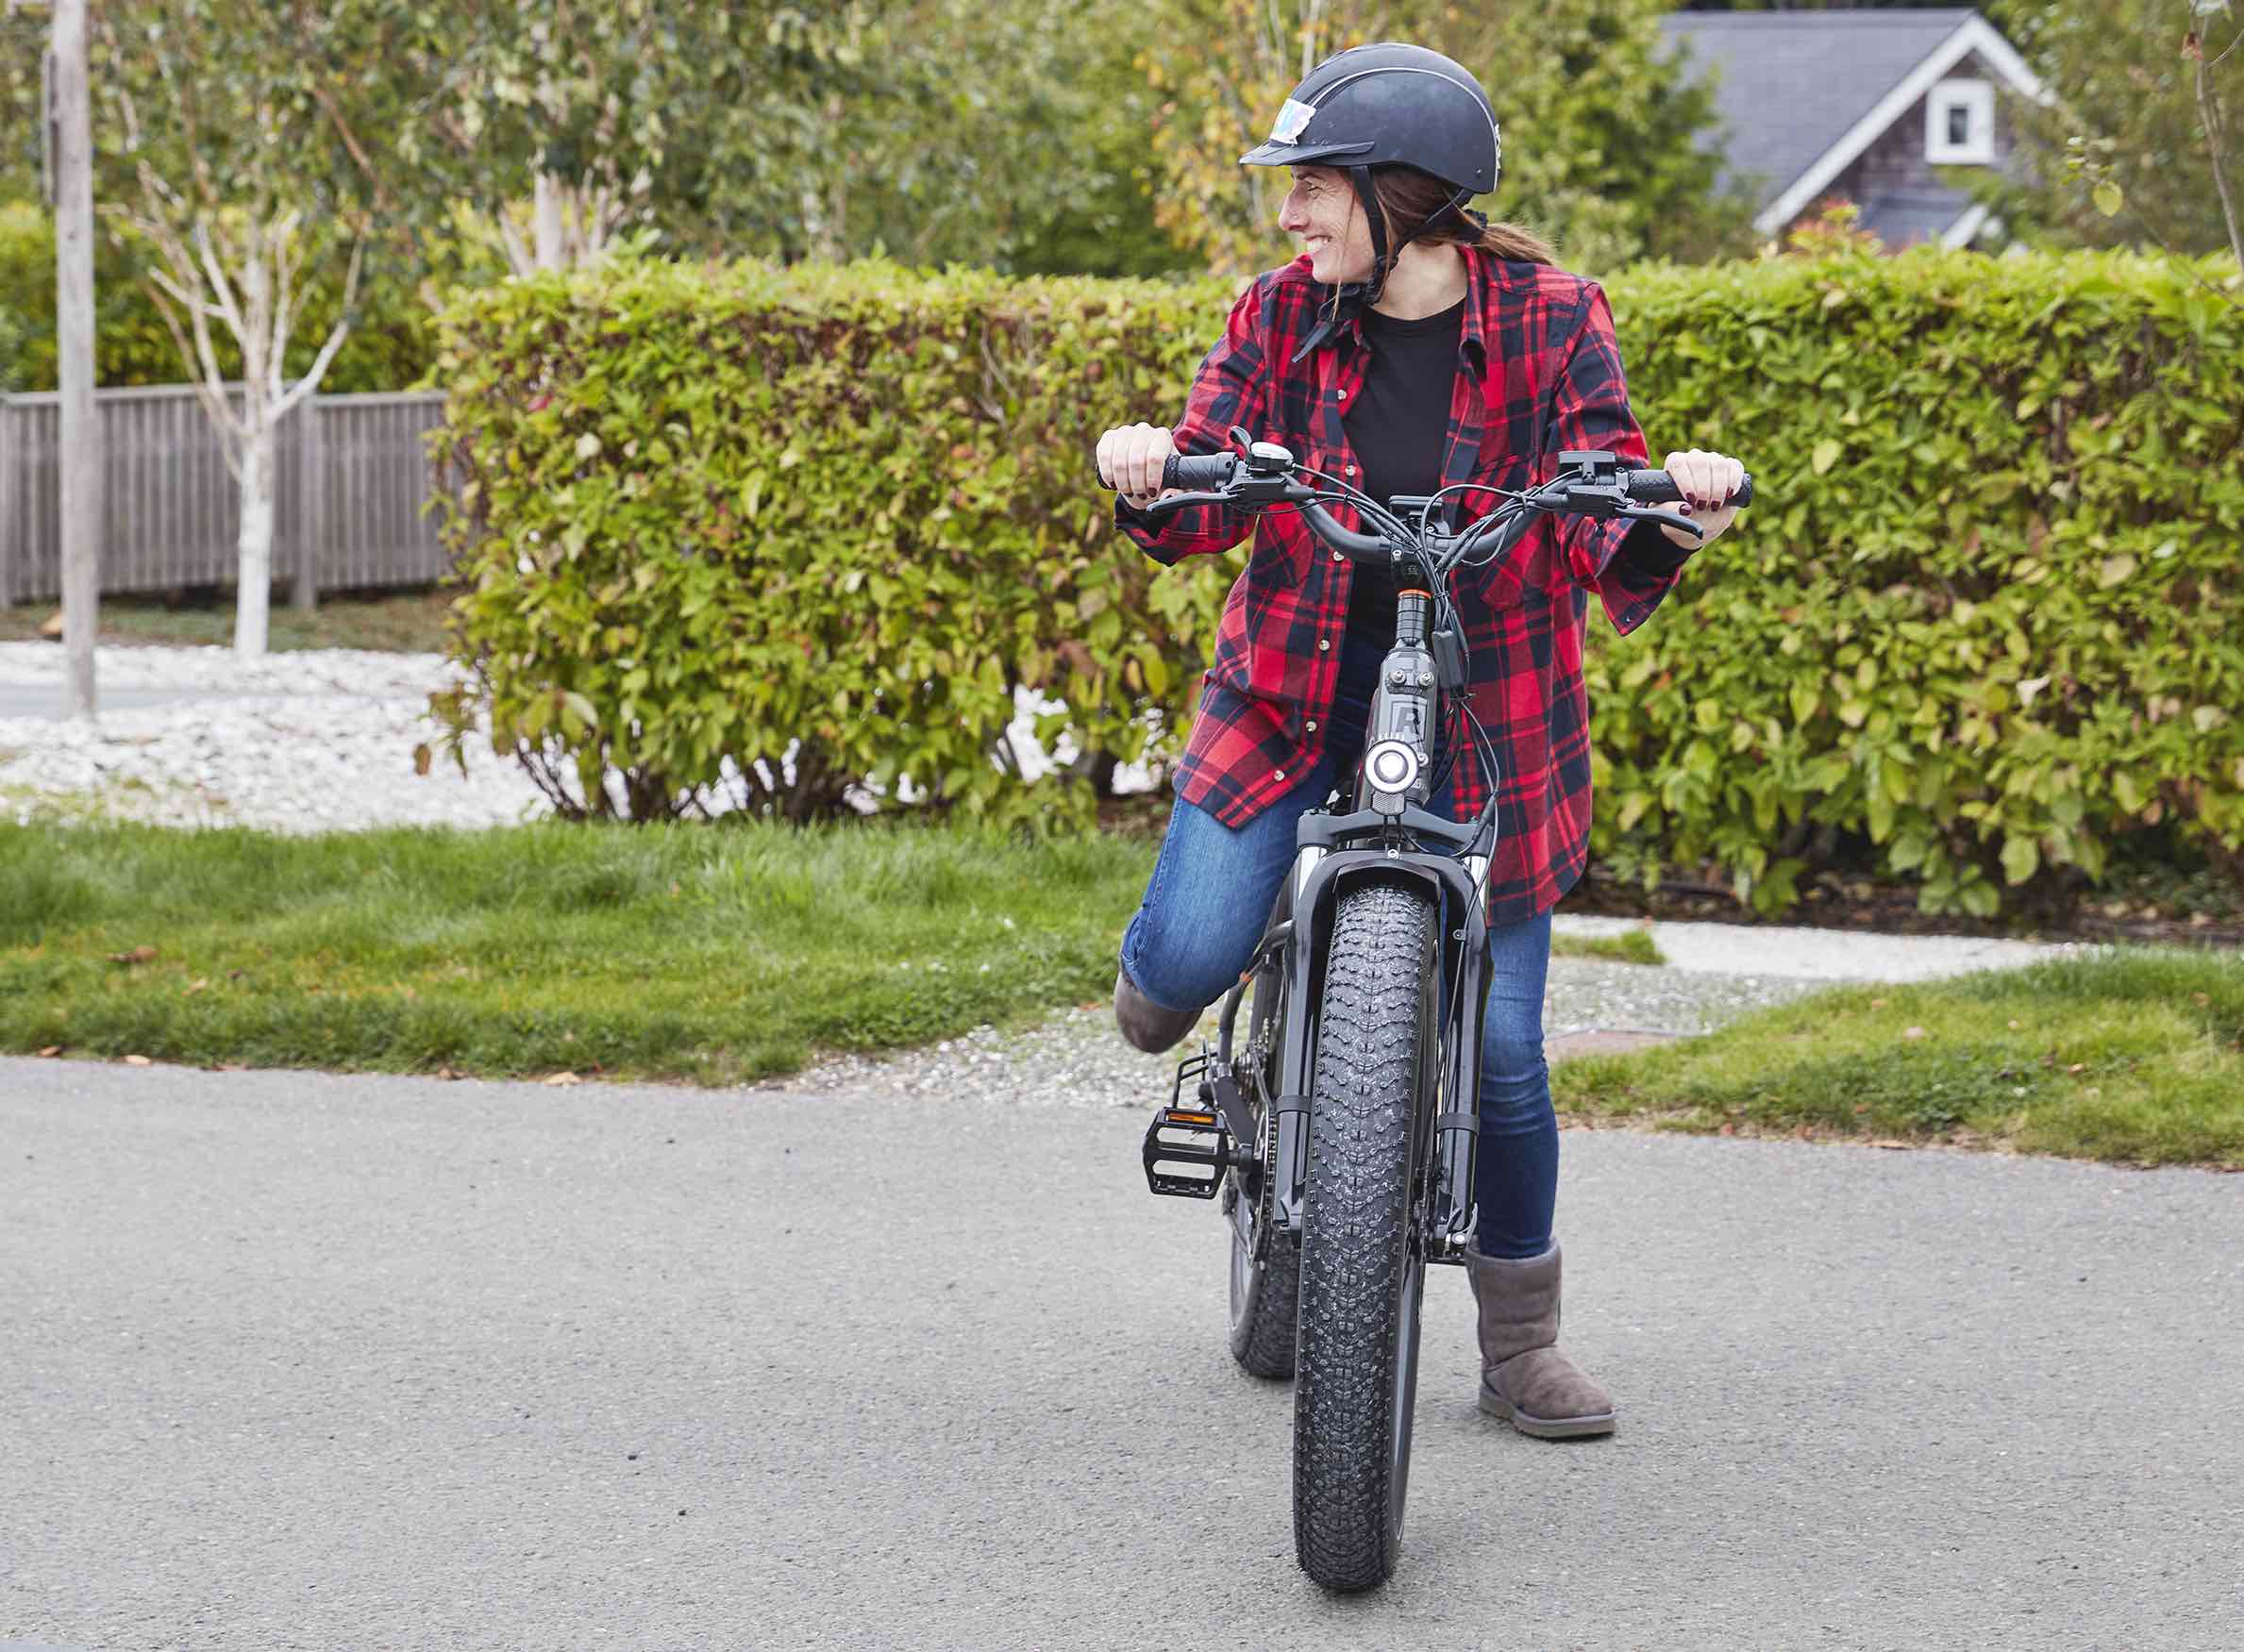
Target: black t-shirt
x,y
1400,428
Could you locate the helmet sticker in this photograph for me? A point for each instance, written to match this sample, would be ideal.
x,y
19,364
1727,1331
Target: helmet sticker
x,y
1291,119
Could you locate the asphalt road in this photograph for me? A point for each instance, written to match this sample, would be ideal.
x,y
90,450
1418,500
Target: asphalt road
x,y
299,1360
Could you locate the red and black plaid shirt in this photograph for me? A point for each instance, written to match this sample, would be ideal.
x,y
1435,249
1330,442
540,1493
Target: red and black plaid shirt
x,y
1538,374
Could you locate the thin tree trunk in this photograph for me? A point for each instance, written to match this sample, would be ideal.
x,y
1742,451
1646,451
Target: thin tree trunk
x,y
2209,111
81,490
254,595
552,239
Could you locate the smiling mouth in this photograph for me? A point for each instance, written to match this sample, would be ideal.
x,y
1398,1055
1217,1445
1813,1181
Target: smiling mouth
x,y
1317,244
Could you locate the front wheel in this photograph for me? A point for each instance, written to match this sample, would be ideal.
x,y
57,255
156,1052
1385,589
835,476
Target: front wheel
x,y
1362,1263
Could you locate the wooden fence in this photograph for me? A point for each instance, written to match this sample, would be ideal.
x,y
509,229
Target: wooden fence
x,y
353,479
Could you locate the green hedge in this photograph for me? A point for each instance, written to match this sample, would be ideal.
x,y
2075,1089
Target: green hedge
x,y
1981,624
706,512
1988,618
389,348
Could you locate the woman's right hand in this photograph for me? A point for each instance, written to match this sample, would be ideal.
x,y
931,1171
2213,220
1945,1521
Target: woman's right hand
x,y
1130,461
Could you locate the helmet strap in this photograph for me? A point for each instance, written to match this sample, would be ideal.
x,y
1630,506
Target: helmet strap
x,y
1381,261
1328,317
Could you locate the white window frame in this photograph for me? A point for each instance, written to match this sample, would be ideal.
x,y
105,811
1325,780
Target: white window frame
x,y
1977,97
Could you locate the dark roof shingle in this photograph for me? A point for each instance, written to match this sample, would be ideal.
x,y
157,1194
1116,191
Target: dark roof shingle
x,y
1791,83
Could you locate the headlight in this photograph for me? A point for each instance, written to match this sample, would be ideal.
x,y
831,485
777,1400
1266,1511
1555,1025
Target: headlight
x,y
1392,765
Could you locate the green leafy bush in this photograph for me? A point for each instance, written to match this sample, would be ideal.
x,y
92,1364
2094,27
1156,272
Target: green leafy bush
x,y
703,513
1981,624
1985,620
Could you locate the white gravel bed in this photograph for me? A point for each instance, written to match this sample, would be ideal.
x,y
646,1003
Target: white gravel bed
x,y
310,740
315,740
1077,1059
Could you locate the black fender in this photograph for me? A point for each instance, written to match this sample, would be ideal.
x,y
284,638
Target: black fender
x,y
1464,951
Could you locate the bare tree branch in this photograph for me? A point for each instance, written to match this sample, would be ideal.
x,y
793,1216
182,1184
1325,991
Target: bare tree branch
x,y
220,286
210,390
309,382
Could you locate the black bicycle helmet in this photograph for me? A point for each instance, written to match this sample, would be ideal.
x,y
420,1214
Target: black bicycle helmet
x,y
1387,105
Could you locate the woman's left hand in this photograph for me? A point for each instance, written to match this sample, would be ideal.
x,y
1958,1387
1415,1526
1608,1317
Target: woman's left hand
x,y
1705,481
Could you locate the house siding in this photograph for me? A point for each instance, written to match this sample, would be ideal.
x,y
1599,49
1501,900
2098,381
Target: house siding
x,y
1896,159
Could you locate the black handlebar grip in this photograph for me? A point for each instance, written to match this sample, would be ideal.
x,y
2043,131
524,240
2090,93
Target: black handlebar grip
x,y
1658,488
1199,472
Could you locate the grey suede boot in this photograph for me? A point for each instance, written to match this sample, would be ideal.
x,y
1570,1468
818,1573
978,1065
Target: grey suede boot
x,y
1523,1376
1148,1026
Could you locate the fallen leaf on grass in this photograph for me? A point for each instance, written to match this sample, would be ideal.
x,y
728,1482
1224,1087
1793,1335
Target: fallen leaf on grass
x,y
562,1078
2078,1067
138,955
1913,1032
52,1050
137,1061
446,1073
2015,1025
197,985
1877,1003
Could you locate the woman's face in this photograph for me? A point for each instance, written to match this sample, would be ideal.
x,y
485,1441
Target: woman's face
x,y
1323,210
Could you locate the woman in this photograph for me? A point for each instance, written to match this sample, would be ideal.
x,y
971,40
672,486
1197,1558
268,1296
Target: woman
x,y
1413,345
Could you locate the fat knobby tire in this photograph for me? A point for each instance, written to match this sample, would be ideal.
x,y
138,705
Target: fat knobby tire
x,y
1264,1313
1263,1328
1355,1252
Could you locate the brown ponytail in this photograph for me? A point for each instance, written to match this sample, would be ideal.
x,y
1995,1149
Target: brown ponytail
x,y
1408,198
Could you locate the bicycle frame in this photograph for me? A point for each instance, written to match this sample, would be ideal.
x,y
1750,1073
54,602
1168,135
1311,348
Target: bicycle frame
x,y
1383,838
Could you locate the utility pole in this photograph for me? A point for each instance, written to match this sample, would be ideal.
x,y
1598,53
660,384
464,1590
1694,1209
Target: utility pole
x,y
72,126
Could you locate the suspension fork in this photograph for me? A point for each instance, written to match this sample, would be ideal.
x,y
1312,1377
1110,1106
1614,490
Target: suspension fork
x,y
1463,954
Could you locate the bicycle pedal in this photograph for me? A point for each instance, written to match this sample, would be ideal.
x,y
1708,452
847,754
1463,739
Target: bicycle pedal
x,y
1186,1152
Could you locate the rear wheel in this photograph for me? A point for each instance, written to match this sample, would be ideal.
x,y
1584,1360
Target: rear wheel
x,y
1264,1288
1362,1263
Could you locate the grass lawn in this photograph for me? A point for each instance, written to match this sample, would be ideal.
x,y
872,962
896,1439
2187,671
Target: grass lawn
x,y
408,621
712,956
1628,947
722,955
2131,1057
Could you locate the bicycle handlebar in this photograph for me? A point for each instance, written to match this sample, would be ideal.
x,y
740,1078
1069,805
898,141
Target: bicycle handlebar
x,y
1198,472
1262,474
1658,488
1201,473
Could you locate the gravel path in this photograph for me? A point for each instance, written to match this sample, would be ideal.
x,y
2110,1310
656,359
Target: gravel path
x,y
1076,1058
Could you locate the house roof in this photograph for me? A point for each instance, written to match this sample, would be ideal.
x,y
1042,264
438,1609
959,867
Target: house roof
x,y
1801,94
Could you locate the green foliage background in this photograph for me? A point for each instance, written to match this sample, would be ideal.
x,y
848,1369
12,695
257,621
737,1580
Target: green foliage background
x,y
390,345
1982,624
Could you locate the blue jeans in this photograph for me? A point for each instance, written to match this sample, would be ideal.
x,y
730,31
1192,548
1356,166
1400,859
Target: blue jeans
x,y
1210,894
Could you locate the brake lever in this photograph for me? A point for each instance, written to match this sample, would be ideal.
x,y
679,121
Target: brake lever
x,y
1175,502
1664,518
